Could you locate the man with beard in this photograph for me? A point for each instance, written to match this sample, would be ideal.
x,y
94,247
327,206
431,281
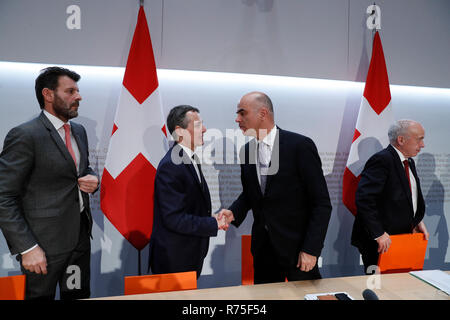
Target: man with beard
x,y
45,179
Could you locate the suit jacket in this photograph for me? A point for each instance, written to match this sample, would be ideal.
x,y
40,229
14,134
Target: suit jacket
x,y
39,200
295,208
182,221
383,199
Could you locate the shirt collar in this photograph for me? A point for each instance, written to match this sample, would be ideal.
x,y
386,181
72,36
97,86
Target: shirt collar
x,y
400,154
270,138
188,151
56,122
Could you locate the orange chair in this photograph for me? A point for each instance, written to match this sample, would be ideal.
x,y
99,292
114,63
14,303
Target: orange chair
x,y
406,253
160,282
12,288
246,260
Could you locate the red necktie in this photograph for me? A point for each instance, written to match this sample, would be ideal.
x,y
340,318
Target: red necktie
x,y
406,163
69,143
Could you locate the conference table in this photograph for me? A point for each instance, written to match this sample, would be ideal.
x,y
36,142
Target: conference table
x,y
399,286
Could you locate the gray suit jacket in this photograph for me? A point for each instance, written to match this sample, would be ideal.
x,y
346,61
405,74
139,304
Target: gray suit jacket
x,y
39,200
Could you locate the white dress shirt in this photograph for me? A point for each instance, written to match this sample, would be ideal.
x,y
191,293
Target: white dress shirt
x,y
190,153
264,150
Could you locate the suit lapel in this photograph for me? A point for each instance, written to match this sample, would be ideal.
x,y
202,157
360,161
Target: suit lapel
x,y
252,161
275,157
400,169
414,171
82,148
58,141
187,161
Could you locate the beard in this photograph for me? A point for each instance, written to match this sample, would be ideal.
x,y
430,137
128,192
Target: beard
x,y
62,109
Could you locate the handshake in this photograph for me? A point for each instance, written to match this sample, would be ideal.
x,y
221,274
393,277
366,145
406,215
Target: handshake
x,y
224,218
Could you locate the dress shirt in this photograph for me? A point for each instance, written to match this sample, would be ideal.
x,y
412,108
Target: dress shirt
x,y
190,154
264,151
412,181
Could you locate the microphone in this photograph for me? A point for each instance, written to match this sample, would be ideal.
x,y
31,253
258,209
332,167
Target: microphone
x,y
369,295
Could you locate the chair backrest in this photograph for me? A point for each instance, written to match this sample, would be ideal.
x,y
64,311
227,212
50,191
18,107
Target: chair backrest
x,y
12,288
160,282
406,253
246,260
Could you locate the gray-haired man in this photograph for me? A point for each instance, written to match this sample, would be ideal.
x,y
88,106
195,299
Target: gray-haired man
x,y
389,198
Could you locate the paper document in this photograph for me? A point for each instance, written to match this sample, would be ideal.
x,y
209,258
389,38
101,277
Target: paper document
x,y
436,278
329,296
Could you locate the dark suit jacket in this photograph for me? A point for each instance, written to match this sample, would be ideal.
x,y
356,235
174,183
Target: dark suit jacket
x,y
295,207
182,221
383,199
39,201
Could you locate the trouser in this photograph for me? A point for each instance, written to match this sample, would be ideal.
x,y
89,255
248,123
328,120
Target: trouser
x,y
369,255
70,270
268,269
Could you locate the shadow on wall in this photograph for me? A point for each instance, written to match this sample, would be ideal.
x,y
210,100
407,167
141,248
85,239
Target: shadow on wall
x,y
262,5
226,258
347,261
435,220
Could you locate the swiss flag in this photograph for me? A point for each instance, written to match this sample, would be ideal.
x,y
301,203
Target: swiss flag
x,y
374,119
138,142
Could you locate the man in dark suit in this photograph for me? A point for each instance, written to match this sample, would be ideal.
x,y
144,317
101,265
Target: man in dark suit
x,y
45,179
389,198
182,217
283,184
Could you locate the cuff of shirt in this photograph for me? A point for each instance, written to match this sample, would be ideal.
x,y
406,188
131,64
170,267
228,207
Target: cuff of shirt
x,y
26,251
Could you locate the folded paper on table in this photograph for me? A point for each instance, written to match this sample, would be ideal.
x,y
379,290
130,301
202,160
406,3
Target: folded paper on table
x,y
436,278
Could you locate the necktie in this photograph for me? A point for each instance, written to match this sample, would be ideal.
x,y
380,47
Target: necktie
x,y
406,163
197,162
69,143
263,164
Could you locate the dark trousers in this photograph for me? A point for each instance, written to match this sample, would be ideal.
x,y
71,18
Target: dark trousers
x,y
268,269
70,270
369,255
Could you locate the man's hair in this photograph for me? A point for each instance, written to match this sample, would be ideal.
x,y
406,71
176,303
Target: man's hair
x,y
177,117
48,78
399,128
265,100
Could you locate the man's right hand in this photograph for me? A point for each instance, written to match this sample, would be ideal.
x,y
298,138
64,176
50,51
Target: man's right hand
x,y
383,243
228,215
35,261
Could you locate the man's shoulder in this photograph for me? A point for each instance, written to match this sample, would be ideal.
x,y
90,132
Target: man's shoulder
x,y
291,136
385,154
173,157
28,127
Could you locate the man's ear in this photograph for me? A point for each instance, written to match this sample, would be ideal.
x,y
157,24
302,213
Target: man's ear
x,y
178,134
48,95
263,112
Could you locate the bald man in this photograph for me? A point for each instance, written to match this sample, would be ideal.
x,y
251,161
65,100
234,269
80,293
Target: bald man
x,y
389,198
284,186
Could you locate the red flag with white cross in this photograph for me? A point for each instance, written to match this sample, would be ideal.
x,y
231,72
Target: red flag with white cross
x,y
374,119
138,142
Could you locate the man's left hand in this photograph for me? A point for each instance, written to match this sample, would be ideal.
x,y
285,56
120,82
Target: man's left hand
x,y
88,183
306,262
422,229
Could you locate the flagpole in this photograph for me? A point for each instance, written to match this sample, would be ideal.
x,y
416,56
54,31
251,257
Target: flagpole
x,y
141,4
139,263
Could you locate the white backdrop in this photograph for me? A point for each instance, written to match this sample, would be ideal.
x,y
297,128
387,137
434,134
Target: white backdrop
x,y
324,110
